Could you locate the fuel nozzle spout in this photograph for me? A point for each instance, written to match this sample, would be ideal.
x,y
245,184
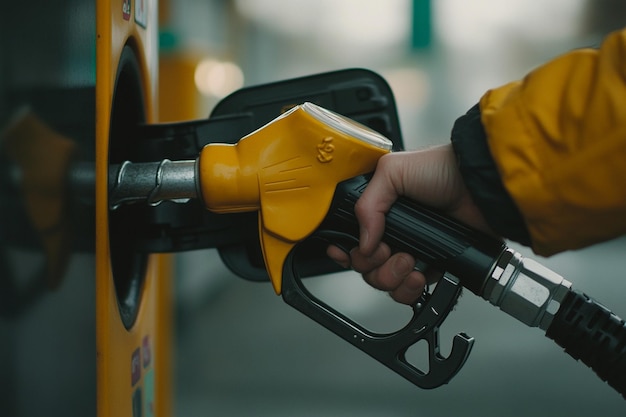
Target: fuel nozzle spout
x,y
152,182
226,176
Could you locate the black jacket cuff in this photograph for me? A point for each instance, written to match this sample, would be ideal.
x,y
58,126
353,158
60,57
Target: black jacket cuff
x,y
483,180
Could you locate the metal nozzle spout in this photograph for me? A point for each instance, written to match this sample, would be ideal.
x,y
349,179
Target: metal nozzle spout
x,y
152,182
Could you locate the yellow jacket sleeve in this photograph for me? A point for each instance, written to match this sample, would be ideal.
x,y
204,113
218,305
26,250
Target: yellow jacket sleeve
x,y
558,138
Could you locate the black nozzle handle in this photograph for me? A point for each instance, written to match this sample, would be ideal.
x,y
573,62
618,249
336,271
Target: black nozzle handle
x,y
435,239
591,333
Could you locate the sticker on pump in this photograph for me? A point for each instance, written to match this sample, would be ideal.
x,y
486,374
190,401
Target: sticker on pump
x,y
137,404
126,9
135,367
141,12
146,351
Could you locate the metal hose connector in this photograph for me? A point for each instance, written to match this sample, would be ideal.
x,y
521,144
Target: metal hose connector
x,y
526,290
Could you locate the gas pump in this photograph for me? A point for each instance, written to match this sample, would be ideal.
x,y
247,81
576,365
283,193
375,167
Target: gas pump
x,y
133,292
133,158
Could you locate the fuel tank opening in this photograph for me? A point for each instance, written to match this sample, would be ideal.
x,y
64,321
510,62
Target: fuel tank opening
x,y
128,264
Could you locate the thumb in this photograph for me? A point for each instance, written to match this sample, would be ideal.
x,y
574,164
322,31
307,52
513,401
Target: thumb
x,y
373,205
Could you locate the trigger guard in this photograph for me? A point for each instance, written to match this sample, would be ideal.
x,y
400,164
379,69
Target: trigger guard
x,y
390,348
425,324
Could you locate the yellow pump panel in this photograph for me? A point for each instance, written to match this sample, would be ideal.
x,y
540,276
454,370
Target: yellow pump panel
x,y
133,361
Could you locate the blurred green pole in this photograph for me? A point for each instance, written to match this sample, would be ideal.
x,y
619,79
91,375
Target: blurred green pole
x,y
421,35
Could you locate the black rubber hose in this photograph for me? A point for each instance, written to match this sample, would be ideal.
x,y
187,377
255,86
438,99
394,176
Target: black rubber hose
x,y
591,333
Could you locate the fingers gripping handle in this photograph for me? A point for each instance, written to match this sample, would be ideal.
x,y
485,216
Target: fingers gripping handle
x,y
429,236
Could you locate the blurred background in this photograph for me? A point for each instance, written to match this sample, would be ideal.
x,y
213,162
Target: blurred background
x,y
239,350
242,351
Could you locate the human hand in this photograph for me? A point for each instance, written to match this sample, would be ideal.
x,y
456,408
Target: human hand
x,y
429,176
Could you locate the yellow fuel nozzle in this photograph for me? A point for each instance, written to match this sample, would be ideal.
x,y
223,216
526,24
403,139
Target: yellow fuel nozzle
x,y
288,171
